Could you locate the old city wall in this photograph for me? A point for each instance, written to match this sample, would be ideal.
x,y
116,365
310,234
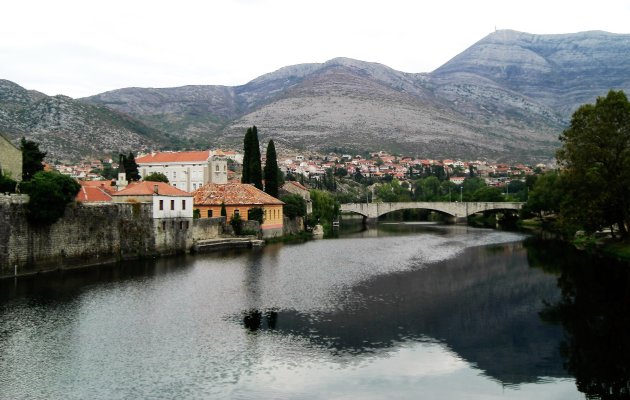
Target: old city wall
x,y
208,228
86,235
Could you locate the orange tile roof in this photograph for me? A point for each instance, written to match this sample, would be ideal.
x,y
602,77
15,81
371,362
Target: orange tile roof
x,y
104,185
297,184
147,188
232,193
174,157
92,194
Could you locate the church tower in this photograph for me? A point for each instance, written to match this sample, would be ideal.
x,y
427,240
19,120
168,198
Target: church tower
x,y
121,182
218,170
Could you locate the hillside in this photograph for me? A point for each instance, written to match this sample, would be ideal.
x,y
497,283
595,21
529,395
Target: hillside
x,y
507,97
68,129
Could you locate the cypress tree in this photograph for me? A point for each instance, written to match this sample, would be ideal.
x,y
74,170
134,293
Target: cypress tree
x,y
131,168
255,167
271,171
245,177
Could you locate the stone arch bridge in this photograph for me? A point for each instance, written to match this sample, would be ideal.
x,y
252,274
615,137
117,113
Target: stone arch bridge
x,y
458,210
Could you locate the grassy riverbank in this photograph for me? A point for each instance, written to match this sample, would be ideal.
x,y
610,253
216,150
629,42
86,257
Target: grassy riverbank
x,y
615,248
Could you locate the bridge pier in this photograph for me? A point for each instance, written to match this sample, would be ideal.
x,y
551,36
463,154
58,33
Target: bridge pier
x,y
369,222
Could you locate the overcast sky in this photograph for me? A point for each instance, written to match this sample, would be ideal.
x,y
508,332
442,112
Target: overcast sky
x,y
80,48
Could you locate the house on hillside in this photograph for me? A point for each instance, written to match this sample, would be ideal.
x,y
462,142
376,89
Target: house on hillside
x,y
185,170
239,198
10,159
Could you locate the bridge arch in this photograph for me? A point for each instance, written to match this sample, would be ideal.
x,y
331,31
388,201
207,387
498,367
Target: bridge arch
x,y
458,210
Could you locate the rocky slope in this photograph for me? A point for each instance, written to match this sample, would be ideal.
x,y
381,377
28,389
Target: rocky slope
x,y
68,129
507,97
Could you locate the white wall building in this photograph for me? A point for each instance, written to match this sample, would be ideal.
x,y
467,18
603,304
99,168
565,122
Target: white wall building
x,y
185,170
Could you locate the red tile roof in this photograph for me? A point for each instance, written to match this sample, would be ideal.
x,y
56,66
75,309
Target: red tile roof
x,y
232,193
297,184
174,157
104,185
147,188
92,194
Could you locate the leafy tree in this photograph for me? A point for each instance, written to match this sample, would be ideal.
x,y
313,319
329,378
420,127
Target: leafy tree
x,y
32,159
156,177
428,189
256,214
49,193
392,192
252,170
294,205
7,185
272,172
237,224
131,168
546,195
487,193
325,208
595,156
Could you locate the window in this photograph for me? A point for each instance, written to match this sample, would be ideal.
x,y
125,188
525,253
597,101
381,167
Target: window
x,y
181,225
174,174
183,204
172,204
161,205
217,168
163,225
209,213
236,212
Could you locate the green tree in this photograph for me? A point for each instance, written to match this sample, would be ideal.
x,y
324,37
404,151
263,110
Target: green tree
x,y
7,185
256,214
546,195
131,168
49,193
252,170
488,193
32,159
294,205
595,156
325,207
156,177
272,172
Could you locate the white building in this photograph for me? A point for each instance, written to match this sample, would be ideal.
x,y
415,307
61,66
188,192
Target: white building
x,y
185,170
168,201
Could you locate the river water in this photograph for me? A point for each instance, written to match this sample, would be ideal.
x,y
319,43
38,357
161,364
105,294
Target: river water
x,y
400,312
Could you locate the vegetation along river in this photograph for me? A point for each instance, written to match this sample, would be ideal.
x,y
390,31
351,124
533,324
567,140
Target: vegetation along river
x,y
403,311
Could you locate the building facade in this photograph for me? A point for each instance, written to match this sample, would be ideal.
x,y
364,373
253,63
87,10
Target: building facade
x,y
238,199
10,159
185,170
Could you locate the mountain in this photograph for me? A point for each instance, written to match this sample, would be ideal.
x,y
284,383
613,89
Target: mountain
x,y
69,129
559,71
507,97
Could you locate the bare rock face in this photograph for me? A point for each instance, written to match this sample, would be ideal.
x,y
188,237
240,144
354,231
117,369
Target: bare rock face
x,y
69,129
559,71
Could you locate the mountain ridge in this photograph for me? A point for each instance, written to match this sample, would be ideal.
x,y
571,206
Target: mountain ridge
x,y
508,96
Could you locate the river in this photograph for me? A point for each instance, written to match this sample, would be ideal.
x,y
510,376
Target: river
x,y
404,311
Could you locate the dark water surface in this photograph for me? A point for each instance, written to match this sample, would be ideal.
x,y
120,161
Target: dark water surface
x,y
403,312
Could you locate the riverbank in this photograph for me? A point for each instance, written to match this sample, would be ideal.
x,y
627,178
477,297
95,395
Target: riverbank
x,y
602,245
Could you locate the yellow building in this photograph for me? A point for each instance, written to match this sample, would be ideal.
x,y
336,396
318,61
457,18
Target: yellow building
x,y
10,159
239,198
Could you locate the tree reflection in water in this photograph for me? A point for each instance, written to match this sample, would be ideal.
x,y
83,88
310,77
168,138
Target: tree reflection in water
x,y
595,312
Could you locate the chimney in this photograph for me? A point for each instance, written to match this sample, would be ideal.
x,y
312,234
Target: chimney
x,y
155,189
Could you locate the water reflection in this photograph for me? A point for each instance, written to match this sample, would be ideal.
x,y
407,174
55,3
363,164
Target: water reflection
x,y
594,311
483,305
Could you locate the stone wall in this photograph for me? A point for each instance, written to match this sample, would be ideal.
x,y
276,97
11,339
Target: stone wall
x,y
208,228
86,235
293,226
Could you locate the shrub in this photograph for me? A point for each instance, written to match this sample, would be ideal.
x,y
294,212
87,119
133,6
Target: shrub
x,y
49,194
